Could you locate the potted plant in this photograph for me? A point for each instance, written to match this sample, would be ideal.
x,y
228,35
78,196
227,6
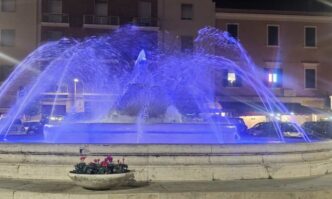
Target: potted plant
x,y
101,175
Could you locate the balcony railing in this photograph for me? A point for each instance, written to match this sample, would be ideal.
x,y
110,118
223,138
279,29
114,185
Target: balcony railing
x,y
101,20
55,18
116,20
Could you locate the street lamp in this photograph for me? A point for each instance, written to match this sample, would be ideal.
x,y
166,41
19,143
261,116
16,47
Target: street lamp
x,y
75,85
76,80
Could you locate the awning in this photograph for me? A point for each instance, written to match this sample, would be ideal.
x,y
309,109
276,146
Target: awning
x,y
258,108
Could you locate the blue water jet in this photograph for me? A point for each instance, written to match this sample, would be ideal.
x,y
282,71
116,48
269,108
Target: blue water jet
x,y
128,90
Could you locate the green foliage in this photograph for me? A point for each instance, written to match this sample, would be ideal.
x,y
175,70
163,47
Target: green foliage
x,y
100,168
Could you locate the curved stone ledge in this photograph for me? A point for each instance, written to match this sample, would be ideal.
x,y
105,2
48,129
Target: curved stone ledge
x,y
173,162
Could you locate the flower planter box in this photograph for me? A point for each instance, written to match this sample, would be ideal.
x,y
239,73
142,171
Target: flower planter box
x,y
101,181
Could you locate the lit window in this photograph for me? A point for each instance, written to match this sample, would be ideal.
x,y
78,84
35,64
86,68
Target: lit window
x,y
231,79
186,11
8,5
274,77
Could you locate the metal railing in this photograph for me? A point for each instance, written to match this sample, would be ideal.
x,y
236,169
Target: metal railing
x,y
101,20
55,18
116,20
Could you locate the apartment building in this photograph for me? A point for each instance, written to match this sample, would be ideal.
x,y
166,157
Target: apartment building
x,y
18,37
291,48
18,32
172,22
76,18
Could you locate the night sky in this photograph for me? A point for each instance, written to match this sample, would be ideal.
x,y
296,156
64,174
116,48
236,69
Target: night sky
x,y
278,5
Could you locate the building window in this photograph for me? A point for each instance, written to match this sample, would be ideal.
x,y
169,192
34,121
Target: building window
x,y
8,5
310,78
187,44
145,13
273,77
273,35
7,38
101,7
231,79
5,70
53,35
310,36
186,11
233,30
54,11
54,6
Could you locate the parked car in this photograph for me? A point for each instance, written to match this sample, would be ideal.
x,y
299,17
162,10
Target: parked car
x,y
320,128
242,128
17,127
33,127
271,129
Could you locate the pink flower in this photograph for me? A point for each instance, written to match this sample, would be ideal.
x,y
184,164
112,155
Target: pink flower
x,y
109,158
82,158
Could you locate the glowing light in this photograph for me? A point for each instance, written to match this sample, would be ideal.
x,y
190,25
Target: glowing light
x,y
76,80
223,114
231,77
273,77
292,113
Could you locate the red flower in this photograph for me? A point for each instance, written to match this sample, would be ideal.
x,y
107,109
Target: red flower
x,y
96,160
82,158
104,164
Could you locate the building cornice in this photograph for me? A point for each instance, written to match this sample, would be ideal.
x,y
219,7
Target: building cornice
x,y
273,17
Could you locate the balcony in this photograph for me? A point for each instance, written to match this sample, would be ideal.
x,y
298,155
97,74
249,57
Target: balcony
x,y
51,19
93,21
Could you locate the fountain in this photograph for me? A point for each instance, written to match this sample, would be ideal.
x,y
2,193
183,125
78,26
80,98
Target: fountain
x,y
149,89
121,93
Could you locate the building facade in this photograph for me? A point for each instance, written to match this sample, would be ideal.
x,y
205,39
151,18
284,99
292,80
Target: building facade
x,y
18,32
18,37
291,49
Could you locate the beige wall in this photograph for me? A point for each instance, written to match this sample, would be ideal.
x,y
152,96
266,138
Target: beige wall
x,y
24,22
291,54
172,26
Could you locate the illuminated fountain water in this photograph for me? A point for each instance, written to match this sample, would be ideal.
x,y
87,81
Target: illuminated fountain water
x,y
135,96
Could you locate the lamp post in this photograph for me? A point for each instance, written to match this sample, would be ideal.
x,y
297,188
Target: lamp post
x,y
75,92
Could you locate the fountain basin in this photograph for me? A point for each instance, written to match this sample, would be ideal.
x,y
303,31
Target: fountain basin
x,y
173,162
129,133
